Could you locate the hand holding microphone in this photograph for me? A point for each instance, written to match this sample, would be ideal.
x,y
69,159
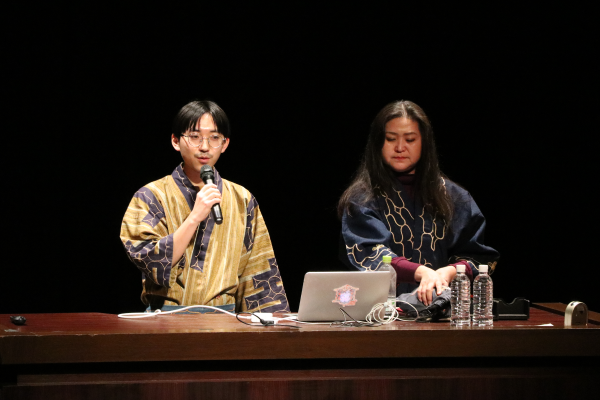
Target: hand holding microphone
x,y
208,177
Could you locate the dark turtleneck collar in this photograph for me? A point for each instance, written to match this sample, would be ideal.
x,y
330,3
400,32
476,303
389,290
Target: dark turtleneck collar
x,y
408,181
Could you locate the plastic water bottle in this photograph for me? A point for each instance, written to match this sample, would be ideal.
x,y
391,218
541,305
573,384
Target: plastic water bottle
x,y
387,266
460,298
483,298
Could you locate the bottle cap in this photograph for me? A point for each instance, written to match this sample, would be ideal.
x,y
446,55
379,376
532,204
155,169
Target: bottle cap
x,y
460,268
387,259
483,268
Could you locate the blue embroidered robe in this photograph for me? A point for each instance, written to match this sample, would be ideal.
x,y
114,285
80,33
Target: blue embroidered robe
x,y
394,224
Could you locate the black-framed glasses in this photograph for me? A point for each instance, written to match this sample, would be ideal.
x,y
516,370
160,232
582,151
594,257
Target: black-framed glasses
x,y
214,141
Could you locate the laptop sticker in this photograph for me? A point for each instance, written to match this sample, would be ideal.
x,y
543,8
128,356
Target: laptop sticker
x,y
345,295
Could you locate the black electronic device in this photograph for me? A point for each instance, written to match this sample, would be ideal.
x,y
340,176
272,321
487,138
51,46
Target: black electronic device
x,y
438,309
518,309
414,308
18,320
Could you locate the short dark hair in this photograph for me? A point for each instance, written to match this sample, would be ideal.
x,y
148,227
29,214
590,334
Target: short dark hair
x,y
189,114
374,175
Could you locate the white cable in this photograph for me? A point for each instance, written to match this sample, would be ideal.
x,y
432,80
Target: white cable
x,y
159,312
294,318
375,314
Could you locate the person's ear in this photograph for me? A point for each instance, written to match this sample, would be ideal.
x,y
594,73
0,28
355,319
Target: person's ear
x,y
175,142
225,145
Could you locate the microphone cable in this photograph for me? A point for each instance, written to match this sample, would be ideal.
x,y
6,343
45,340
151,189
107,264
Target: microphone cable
x,y
263,322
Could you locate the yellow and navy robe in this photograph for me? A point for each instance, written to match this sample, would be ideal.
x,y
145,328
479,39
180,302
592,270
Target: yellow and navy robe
x,y
230,263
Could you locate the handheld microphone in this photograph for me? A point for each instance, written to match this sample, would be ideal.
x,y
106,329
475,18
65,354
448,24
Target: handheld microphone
x,y
208,176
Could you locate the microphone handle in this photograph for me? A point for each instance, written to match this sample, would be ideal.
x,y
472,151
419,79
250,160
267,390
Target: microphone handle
x,y
216,209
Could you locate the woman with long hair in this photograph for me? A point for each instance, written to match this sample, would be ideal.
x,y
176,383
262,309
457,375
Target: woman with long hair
x,y
400,204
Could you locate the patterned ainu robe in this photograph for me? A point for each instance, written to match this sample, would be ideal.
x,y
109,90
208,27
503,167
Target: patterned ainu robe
x,y
231,263
395,224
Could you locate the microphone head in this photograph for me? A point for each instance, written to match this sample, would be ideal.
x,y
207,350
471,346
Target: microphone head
x,y
206,173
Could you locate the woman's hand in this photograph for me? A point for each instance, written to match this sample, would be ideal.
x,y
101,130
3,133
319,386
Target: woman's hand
x,y
430,279
447,274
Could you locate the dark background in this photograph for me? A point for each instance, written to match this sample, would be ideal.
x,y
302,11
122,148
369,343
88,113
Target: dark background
x,y
511,93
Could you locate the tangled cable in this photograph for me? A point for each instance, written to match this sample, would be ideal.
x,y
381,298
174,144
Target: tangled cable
x,y
376,317
379,314
352,323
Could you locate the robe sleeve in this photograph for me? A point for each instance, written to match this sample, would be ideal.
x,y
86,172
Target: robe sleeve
x,y
468,226
146,239
366,237
260,288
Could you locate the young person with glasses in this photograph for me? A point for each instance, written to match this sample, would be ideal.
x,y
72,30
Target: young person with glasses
x,y
170,234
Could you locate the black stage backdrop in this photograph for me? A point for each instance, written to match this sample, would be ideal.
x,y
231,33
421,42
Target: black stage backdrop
x,y
91,93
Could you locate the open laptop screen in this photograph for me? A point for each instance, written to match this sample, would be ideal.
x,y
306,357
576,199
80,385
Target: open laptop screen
x,y
356,292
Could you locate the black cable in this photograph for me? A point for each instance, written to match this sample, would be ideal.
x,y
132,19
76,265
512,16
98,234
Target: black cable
x,y
244,322
354,323
435,311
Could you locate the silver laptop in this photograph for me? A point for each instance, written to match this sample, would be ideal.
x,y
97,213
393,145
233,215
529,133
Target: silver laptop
x,y
324,293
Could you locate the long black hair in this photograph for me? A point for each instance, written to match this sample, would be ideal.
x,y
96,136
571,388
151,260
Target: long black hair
x,y
189,115
374,175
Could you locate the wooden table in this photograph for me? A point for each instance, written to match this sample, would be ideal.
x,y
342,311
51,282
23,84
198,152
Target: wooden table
x,y
92,355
